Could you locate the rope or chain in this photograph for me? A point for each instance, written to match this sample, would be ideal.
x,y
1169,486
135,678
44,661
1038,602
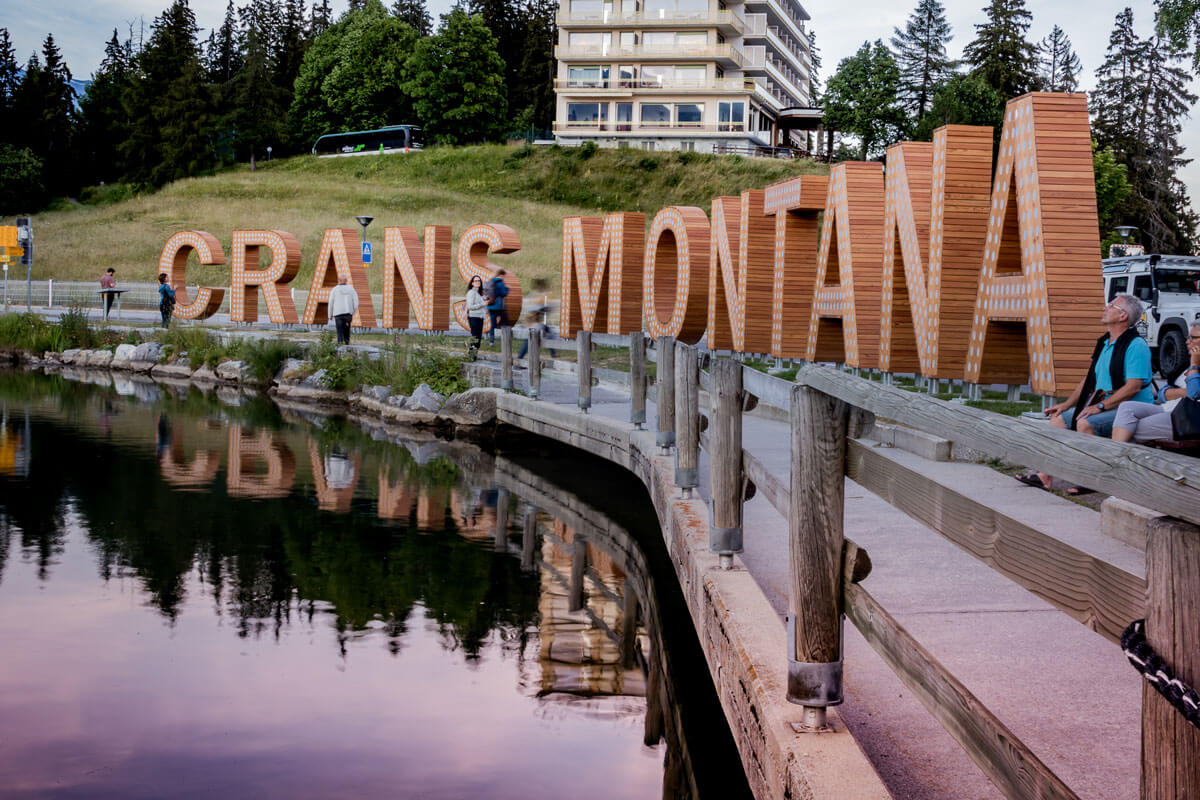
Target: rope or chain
x,y
1156,671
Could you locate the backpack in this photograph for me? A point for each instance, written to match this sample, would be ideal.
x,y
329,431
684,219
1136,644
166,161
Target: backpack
x,y
489,292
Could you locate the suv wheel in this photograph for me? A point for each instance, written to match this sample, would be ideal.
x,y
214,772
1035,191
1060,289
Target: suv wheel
x,y
1172,354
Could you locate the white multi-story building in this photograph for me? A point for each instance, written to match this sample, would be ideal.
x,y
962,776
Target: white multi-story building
x,y
703,75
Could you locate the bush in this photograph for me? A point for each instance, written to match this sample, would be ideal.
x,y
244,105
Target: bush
x,y
264,357
201,347
27,332
75,329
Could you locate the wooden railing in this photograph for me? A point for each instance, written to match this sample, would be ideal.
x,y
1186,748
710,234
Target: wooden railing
x,y
829,410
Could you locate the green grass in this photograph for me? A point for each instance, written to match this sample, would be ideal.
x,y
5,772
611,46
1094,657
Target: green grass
x,y
529,189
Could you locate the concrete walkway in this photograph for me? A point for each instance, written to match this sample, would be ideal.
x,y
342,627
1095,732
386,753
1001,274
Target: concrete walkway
x,y
1064,690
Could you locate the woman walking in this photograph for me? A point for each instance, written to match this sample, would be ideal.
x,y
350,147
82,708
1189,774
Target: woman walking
x,y
166,299
476,311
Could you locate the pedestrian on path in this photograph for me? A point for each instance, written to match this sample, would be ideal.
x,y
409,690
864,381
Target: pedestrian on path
x,y
166,299
343,302
108,281
476,311
494,294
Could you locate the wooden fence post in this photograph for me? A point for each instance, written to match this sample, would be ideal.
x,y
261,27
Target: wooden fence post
x,y
1171,745
528,537
629,613
687,418
637,379
815,521
583,365
576,598
501,534
534,362
506,358
665,378
725,459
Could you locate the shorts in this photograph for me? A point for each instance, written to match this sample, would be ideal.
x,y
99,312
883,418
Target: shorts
x,y
1101,423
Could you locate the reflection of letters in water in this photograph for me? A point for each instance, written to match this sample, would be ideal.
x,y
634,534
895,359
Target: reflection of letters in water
x,y
339,470
245,452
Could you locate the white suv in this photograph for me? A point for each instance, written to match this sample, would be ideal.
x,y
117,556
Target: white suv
x,y
1169,288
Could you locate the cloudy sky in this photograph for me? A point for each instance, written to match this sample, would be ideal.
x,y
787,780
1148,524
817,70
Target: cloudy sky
x,y
82,28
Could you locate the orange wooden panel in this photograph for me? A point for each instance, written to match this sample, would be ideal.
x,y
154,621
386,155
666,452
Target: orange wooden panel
x,y
417,276
476,244
676,274
740,274
602,273
247,277
173,261
340,251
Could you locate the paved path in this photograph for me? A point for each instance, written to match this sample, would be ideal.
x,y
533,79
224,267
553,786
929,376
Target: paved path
x,y
1067,692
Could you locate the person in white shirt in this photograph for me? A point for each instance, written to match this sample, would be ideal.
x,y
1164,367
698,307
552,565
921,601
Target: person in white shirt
x,y
343,302
476,311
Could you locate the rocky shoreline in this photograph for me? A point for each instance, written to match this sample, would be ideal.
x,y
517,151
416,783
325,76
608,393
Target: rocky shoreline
x,y
468,412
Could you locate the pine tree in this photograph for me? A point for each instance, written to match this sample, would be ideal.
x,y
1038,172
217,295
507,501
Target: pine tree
x,y
9,81
415,14
1113,102
224,57
532,95
1179,22
257,102
291,46
105,123
1058,65
46,109
920,52
504,19
321,18
1000,54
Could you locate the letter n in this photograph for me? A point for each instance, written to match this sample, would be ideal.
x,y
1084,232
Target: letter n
x,y
247,277
1039,291
339,250
602,273
424,277
796,205
173,261
740,273
844,325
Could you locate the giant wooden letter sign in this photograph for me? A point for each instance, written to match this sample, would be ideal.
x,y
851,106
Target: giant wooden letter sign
x,y
935,221
740,273
247,277
1040,271
602,274
844,325
674,300
473,249
424,277
173,262
795,204
339,251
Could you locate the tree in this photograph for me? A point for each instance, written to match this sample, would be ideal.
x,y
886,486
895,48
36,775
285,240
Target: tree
x,y
105,122
1000,54
170,105
45,115
1179,24
1112,190
320,20
1058,65
224,56
1114,100
533,92
9,80
258,103
413,12
503,19
920,52
21,186
964,100
352,76
861,98
457,81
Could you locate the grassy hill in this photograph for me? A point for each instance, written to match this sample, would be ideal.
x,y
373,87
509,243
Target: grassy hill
x,y
529,189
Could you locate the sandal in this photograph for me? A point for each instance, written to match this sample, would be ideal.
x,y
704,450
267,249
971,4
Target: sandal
x,y
1079,491
1031,479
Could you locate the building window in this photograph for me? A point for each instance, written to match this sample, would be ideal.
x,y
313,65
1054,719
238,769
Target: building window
x,y
687,146
624,116
587,8
629,8
689,114
627,76
663,8
656,77
588,77
596,40
657,114
691,41
731,116
586,115
628,39
647,145
690,76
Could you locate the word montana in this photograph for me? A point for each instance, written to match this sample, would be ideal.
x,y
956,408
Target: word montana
x,y
937,264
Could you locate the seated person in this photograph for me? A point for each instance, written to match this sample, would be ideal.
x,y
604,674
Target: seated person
x,y
1147,422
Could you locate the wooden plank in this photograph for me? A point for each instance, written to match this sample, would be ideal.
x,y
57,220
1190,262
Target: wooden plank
x,y
1100,595
1163,481
687,417
1012,766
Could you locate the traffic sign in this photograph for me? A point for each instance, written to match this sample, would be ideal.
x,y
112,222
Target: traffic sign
x,y
366,252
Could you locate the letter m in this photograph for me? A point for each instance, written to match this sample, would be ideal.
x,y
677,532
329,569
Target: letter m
x,y
602,273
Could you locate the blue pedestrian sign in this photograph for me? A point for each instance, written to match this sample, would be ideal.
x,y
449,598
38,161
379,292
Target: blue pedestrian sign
x,y
366,252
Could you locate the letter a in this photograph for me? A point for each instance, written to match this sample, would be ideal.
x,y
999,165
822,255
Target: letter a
x,y
844,325
602,273
340,250
1041,261
424,277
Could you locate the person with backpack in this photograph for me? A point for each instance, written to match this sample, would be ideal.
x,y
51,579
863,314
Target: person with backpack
x,y
166,299
494,294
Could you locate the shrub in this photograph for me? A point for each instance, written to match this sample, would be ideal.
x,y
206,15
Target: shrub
x,y
27,332
75,329
264,357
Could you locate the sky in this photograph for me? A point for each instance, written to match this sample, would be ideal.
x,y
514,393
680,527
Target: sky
x,y
81,28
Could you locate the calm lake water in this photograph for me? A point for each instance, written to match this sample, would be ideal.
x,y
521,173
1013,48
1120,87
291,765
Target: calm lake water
x,y
207,596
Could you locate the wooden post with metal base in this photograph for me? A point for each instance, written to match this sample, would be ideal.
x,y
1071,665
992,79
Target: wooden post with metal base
x,y
725,460
665,378
506,358
637,379
687,418
815,521
534,362
583,366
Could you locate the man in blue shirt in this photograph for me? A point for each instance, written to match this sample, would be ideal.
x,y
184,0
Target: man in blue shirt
x,y
1092,406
